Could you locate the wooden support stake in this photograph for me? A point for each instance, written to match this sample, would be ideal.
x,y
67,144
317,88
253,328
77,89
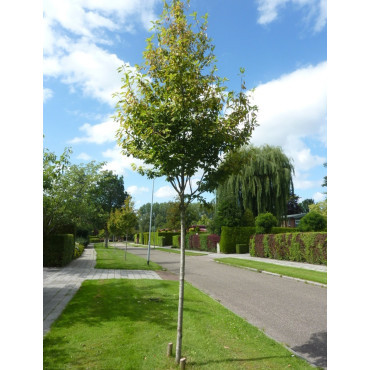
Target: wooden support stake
x,y
169,350
183,363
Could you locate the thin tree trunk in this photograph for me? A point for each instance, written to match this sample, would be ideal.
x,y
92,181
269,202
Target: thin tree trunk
x,y
126,248
106,238
181,284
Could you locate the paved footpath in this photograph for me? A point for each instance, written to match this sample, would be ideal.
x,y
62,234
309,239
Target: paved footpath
x,y
60,284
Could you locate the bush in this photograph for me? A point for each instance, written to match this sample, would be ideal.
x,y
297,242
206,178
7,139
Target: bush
x,y
283,230
308,247
82,240
242,248
313,221
58,250
265,222
79,248
94,239
176,241
248,218
230,236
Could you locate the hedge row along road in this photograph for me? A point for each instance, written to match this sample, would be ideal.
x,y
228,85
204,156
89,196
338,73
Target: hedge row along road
x,y
291,312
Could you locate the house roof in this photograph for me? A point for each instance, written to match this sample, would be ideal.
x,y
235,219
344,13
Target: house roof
x,y
296,216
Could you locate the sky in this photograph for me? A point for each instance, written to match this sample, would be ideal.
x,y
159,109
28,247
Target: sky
x,y
282,44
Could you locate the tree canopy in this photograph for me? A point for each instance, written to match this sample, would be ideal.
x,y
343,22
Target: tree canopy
x,y
176,115
261,179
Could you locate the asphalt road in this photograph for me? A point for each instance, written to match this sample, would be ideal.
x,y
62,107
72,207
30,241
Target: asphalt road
x,y
291,312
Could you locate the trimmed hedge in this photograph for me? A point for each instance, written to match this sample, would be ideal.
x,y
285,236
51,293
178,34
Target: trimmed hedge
x,y
242,248
94,239
230,236
176,241
58,250
212,241
308,247
283,230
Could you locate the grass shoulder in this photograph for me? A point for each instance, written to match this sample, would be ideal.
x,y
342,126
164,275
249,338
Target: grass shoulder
x,y
299,273
177,251
114,258
126,324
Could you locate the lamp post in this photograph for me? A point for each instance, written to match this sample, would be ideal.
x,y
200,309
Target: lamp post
x,y
150,225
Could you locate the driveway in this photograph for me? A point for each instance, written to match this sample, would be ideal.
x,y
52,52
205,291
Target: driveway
x,y
289,311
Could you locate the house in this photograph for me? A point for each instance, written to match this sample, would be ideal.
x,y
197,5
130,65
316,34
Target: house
x,y
292,220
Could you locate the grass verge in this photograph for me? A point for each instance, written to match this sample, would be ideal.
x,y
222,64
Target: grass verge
x,y
126,324
309,275
114,258
178,252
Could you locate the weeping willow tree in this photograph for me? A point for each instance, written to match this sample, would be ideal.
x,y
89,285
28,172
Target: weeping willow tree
x,y
260,180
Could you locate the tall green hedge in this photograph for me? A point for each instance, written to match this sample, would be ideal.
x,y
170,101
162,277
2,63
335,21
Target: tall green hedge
x,y
231,236
58,250
308,247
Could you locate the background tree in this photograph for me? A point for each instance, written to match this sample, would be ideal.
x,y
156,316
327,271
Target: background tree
x,y
262,179
320,207
127,219
305,205
66,190
107,195
176,115
293,207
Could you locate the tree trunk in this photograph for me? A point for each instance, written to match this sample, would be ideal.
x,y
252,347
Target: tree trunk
x,y
106,238
126,248
181,284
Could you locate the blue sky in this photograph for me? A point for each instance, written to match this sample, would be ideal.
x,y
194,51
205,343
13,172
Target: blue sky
x,y
282,44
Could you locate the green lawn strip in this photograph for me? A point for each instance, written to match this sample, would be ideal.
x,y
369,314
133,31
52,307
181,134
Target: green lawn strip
x,y
114,258
178,252
304,274
127,324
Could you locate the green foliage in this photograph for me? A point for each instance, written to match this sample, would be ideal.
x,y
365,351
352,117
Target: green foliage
x,y
248,218
283,230
79,248
300,247
313,221
260,179
94,239
293,207
242,248
176,241
58,250
305,205
320,207
265,222
230,236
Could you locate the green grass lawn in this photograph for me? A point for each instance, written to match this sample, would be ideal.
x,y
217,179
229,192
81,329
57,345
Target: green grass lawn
x,y
178,252
126,324
309,275
114,258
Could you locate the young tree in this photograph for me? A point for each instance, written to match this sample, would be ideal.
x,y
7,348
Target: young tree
x,y
176,115
107,195
128,219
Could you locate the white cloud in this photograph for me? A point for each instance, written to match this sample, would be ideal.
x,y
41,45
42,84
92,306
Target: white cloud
x,y
84,156
72,30
47,94
118,163
293,108
318,197
98,134
315,10
166,192
135,190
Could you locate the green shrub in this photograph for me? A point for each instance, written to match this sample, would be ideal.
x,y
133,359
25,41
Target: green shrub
x,y
58,250
242,248
283,230
79,248
265,222
82,240
248,218
230,236
94,239
176,241
313,221
308,247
